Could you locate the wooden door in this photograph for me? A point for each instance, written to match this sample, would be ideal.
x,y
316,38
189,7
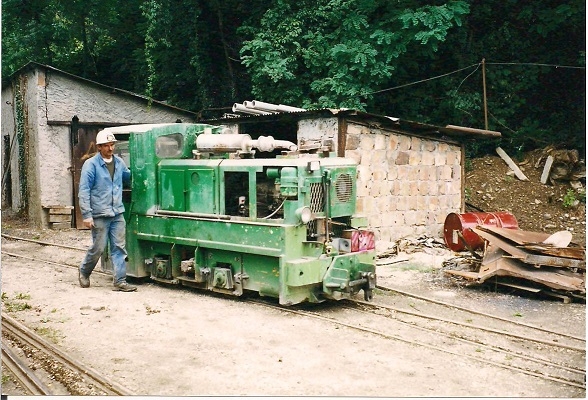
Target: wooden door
x,y
84,147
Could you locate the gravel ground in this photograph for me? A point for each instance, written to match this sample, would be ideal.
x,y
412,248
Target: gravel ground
x,y
163,341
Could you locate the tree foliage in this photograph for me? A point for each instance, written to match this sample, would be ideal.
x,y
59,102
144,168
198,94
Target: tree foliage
x,y
414,59
333,53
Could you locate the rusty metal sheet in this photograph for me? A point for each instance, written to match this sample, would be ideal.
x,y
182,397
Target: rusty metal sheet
x,y
548,277
516,235
555,279
578,253
526,256
533,241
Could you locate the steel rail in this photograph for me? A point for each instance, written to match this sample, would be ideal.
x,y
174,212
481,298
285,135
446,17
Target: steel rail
x,y
43,243
37,259
30,382
424,316
421,344
578,371
26,336
430,300
583,340
50,262
482,328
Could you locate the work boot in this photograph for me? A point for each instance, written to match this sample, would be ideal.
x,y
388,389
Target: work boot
x,y
84,281
124,287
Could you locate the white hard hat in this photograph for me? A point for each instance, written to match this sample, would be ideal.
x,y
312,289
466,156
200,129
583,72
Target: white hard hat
x,y
105,136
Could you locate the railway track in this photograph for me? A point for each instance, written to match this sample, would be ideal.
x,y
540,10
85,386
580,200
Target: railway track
x,y
486,339
500,348
27,379
76,378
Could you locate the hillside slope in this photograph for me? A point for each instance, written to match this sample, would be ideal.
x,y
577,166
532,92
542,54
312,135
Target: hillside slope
x,y
537,207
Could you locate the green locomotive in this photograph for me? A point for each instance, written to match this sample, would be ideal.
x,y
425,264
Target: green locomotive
x,y
205,212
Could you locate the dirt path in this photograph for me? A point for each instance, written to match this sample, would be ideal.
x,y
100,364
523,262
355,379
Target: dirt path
x,y
164,341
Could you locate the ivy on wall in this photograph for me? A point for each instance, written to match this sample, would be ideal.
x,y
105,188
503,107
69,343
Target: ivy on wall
x,y
21,118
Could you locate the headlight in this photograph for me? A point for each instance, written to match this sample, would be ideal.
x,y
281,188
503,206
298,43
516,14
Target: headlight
x,y
304,214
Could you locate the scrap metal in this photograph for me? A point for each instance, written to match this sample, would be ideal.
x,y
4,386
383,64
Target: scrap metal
x,y
533,261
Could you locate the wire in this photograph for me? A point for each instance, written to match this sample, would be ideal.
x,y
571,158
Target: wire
x,y
477,65
276,210
536,65
464,79
422,80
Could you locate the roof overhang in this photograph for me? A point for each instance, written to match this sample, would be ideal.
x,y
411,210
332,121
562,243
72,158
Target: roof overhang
x,y
454,132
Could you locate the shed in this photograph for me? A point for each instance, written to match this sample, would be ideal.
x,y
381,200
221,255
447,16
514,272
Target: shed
x,y
410,174
49,123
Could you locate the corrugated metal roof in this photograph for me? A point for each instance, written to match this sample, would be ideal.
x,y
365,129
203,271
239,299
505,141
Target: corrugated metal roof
x,y
383,121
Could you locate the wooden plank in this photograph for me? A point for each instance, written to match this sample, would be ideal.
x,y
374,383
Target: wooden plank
x,y
546,170
527,288
59,218
511,164
464,274
544,276
61,225
552,261
463,129
55,211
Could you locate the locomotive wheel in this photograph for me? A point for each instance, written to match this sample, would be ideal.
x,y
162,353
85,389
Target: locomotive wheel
x,y
368,295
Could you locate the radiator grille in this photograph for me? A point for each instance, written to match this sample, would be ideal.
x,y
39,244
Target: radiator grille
x,y
344,187
317,198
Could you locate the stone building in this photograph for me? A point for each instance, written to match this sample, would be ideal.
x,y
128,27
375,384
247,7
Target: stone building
x,y
49,123
410,175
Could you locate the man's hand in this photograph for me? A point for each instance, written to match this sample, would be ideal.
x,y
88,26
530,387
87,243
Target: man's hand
x,y
89,223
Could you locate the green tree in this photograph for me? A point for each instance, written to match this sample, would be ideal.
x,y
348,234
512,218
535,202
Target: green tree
x,y
69,35
333,53
182,52
535,76
414,59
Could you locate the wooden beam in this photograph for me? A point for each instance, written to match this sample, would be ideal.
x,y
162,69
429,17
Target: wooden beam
x,y
546,170
511,164
474,131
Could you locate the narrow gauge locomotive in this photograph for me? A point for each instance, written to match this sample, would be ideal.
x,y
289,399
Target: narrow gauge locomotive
x,y
204,212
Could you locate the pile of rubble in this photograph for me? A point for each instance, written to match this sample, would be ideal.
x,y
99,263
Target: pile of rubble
x,y
530,261
422,243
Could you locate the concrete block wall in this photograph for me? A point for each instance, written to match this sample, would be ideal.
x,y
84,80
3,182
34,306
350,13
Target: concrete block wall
x,y
406,185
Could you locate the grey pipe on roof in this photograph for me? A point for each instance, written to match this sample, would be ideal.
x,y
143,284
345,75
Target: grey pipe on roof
x,y
246,110
260,105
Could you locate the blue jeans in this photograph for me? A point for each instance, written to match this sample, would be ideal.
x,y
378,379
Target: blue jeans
x,y
111,229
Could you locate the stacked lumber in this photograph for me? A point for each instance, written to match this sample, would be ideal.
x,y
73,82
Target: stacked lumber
x,y
532,261
59,217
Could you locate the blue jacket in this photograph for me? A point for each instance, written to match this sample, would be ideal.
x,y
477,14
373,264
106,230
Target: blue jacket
x,y
101,196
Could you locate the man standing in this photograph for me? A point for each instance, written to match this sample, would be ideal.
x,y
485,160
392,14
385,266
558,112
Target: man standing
x,y
100,196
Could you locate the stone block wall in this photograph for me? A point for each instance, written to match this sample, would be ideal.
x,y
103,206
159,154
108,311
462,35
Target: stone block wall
x,y
406,185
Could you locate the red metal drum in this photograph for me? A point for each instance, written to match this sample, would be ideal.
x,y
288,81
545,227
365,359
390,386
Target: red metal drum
x,y
457,225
